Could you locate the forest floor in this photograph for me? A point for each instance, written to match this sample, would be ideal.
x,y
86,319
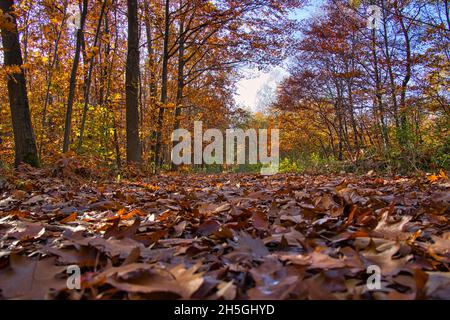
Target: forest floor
x,y
224,236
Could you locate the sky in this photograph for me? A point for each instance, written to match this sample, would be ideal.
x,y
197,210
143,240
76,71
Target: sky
x,y
256,86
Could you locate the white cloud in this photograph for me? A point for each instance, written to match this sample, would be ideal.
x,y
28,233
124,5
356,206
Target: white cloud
x,y
257,83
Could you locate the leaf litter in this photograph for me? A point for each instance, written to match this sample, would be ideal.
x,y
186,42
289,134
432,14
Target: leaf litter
x,y
228,236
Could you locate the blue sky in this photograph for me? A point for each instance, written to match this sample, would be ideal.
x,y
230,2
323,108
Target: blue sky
x,y
255,82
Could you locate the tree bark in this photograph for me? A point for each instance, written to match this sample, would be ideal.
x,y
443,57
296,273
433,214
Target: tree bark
x,y
163,87
132,86
24,139
180,81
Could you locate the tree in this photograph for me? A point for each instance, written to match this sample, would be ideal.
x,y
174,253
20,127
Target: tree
x,y
164,77
73,78
132,85
24,139
87,86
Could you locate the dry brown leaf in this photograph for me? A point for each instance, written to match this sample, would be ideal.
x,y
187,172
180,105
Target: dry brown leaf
x,y
27,278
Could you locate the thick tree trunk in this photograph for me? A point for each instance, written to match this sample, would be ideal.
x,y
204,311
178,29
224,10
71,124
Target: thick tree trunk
x,y
132,85
73,79
24,140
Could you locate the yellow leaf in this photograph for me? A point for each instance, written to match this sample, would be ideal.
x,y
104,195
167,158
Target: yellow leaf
x,y
436,177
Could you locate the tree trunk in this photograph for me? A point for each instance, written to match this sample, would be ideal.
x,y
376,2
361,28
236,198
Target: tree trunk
x,y
151,55
180,82
132,85
390,71
87,86
109,106
403,108
378,93
159,125
152,68
24,140
73,79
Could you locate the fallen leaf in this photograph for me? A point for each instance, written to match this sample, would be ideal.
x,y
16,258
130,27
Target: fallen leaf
x,y
27,278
